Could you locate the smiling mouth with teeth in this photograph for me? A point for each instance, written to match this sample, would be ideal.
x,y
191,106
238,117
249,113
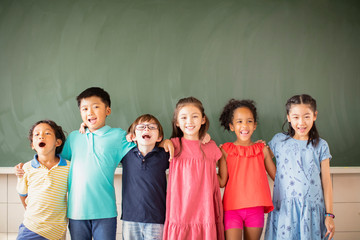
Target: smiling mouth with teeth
x,y
146,136
42,144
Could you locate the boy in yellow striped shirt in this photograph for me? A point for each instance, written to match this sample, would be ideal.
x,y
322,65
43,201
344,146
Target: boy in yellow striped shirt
x,y
43,187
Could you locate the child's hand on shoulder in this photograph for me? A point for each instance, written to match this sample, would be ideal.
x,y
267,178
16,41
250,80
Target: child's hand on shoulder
x,y
206,139
168,147
82,128
261,141
19,172
129,137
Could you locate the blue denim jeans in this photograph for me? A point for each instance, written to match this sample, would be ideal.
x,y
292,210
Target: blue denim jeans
x,y
26,234
142,231
99,229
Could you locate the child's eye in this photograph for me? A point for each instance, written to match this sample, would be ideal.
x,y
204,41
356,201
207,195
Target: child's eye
x,y
36,134
84,109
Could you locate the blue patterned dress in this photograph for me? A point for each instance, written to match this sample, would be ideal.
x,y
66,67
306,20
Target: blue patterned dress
x,y
298,196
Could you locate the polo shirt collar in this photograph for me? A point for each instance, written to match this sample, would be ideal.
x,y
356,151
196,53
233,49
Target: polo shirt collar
x,y
36,164
155,149
100,131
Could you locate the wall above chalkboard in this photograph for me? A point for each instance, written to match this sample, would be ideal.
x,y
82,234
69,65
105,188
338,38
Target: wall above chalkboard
x,y
147,54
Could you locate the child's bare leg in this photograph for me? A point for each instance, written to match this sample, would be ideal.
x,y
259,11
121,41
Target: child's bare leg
x,y
233,234
252,233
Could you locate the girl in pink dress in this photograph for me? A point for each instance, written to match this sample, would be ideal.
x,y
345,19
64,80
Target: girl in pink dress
x,y
193,202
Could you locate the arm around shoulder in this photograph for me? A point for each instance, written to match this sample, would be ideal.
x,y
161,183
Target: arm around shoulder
x,y
269,163
223,172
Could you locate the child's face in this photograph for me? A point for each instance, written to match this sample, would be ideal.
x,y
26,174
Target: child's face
x,y
302,119
243,124
147,134
94,112
44,140
189,120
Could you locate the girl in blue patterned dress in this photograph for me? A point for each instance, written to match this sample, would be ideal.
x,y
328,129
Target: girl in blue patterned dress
x,y
302,194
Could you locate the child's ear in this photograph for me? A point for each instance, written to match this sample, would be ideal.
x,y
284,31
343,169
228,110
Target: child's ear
x,y
133,137
108,111
288,118
159,139
231,127
58,142
203,121
255,125
315,115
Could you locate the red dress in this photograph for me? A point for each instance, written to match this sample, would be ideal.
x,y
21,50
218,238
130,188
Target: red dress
x,y
247,185
193,201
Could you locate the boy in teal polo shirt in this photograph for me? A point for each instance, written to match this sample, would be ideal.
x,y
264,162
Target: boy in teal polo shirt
x,y
94,157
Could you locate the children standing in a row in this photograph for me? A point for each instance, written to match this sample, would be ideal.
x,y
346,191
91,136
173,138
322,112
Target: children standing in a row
x,y
302,194
243,170
194,209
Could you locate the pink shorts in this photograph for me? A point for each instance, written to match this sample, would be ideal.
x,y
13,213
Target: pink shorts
x,y
248,217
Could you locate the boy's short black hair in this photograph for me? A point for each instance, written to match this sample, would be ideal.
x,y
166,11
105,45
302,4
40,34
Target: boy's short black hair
x,y
95,91
59,133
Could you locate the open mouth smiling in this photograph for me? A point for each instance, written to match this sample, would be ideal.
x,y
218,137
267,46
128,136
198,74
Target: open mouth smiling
x,y
146,136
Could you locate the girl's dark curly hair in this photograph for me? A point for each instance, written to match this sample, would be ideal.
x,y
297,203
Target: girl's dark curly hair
x,y
227,114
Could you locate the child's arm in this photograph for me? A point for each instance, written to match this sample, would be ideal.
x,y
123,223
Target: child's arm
x,y
269,164
328,197
23,198
19,172
168,147
223,172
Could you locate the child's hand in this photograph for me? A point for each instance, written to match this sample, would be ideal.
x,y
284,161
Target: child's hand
x,y
206,139
330,226
168,147
82,128
261,141
19,172
129,137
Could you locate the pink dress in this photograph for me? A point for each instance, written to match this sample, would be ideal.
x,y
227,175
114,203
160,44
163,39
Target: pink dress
x,y
193,202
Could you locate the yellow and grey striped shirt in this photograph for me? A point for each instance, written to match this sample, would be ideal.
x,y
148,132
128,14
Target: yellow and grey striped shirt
x,y
46,191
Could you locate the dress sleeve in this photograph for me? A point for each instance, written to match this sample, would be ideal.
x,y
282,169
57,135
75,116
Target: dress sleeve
x,y
324,150
272,143
217,151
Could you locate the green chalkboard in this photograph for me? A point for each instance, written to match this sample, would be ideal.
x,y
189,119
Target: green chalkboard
x,y
149,53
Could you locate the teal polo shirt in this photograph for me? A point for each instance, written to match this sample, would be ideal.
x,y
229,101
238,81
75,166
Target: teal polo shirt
x,y
94,157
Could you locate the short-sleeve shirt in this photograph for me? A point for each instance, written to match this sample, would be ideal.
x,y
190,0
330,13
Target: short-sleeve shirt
x,y
46,190
144,186
94,157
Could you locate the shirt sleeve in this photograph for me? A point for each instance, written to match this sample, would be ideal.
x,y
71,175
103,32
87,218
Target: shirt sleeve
x,y
22,185
66,152
125,145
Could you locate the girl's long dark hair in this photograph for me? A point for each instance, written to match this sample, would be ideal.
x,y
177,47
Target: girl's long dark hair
x,y
302,99
182,103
